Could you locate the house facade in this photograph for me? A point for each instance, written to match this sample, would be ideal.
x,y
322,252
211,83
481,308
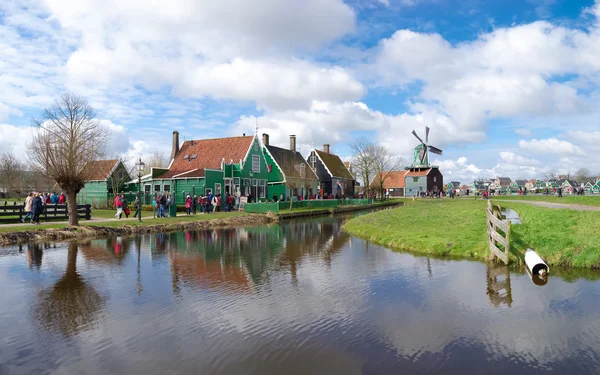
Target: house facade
x,y
104,178
289,174
234,165
518,184
422,180
393,183
334,176
454,185
501,183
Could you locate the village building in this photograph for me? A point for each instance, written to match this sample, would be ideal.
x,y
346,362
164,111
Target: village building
x,y
569,185
418,180
589,187
531,184
518,184
596,187
334,177
454,185
501,183
104,179
234,165
393,183
289,173
479,186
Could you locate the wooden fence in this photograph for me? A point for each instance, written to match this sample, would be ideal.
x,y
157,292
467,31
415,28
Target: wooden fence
x,y
498,233
13,213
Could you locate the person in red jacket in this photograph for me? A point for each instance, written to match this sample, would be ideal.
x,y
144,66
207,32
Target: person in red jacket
x,y
118,206
62,198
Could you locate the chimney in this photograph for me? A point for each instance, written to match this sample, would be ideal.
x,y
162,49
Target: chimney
x,y
293,143
326,148
175,146
265,139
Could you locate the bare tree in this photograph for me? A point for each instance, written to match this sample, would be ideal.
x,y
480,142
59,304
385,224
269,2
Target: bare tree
x,y
582,174
157,159
68,137
11,170
550,174
363,159
384,163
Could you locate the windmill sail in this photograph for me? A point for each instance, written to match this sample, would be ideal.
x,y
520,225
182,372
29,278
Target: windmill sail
x,y
435,150
415,134
427,134
421,158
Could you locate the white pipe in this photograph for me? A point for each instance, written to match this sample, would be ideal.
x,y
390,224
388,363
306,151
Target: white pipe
x,y
536,265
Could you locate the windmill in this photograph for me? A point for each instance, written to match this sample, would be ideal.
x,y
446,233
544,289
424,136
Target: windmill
x,y
421,157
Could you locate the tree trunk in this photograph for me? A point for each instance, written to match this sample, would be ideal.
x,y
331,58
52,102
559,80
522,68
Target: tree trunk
x,y
72,208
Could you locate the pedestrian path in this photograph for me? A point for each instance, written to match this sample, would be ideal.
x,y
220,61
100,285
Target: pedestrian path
x,y
575,207
92,220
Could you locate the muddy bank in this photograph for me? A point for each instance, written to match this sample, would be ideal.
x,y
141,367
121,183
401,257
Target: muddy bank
x,y
62,234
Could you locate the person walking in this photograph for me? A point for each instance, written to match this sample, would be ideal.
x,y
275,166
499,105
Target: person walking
x,y
188,205
163,205
118,206
62,199
137,204
214,203
125,205
28,208
37,207
559,190
194,204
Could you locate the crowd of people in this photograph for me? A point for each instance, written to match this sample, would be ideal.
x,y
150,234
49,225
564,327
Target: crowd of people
x,y
34,205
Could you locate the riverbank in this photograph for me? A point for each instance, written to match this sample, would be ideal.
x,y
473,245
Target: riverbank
x,y
305,212
61,232
456,228
585,200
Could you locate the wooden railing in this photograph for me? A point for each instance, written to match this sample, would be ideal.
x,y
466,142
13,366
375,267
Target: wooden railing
x,y
13,213
498,233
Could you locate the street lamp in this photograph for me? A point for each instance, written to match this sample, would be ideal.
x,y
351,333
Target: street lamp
x,y
140,168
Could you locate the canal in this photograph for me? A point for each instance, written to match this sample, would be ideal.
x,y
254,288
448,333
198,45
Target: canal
x,y
297,298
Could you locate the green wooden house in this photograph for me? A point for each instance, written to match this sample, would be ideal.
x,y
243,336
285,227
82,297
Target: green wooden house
x,y
596,187
518,184
104,178
289,173
589,187
234,165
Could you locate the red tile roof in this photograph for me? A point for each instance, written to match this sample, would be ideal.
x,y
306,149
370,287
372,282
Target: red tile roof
x,y
209,154
392,180
99,170
418,172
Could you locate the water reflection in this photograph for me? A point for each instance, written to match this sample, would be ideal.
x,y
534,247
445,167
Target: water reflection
x,y
71,304
498,284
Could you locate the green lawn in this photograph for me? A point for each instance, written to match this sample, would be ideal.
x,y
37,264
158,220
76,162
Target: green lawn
x,y
586,200
145,221
457,228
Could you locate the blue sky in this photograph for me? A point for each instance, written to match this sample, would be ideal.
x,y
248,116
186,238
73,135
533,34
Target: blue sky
x,y
508,87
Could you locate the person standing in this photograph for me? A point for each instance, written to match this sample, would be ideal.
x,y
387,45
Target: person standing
x,y
137,204
125,205
62,198
214,203
28,208
118,206
194,203
188,205
559,190
37,207
163,205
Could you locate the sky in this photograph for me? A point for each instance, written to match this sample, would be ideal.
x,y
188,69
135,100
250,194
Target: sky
x,y
508,87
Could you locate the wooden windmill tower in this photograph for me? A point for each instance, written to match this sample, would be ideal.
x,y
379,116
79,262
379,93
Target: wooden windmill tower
x,y
421,176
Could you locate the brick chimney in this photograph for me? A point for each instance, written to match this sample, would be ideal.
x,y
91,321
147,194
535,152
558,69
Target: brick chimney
x,y
293,143
175,146
326,148
265,139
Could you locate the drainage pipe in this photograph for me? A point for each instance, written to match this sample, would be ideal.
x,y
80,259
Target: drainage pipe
x,y
536,265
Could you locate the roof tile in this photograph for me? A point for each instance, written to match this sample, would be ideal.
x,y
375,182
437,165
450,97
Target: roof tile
x,y
99,170
335,165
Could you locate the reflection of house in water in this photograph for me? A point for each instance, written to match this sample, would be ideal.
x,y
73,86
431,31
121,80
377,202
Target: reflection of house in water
x,y
498,285
34,254
110,250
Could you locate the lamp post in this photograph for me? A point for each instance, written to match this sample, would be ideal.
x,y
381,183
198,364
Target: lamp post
x,y
140,168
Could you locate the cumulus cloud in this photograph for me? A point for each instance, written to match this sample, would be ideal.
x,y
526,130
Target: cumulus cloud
x,y
524,132
551,146
518,160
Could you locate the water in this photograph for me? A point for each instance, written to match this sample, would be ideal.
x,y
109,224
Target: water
x,y
301,298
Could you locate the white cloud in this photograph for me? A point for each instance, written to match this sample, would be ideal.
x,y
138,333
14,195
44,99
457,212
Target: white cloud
x,y
518,160
524,132
551,146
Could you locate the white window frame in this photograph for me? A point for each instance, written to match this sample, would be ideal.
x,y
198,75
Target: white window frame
x,y
262,188
255,164
217,190
165,188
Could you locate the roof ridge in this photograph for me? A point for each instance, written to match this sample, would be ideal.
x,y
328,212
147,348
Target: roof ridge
x,y
213,139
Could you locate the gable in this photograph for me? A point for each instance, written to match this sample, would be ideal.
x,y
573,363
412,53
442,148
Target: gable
x,y
392,180
99,170
290,162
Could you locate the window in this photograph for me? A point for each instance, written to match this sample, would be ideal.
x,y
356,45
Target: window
x,y
415,179
217,189
156,188
435,179
301,169
256,163
236,184
254,182
167,188
262,191
207,191
312,160
246,186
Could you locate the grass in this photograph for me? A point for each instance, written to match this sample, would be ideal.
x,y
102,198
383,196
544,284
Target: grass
x,y
440,227
562,237
457,228
585,200
146,221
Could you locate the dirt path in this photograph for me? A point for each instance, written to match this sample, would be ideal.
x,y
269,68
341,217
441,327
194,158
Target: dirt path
x,y
575,207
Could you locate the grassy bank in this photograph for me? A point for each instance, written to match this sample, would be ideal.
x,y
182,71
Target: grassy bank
x,y
561,237
585,200
457,228
440,227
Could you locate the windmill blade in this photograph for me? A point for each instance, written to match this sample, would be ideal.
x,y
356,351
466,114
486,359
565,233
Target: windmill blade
x,y
427,134
415,134
435,150
422,154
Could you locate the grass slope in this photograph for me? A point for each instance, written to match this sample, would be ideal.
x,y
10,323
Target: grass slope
x,y
560,236
430,226
586,200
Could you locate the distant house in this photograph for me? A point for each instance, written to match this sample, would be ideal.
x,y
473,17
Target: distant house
x,y
502,183
334,176
531,184
518,184
422,180
393,182
455,185
478,186
289,173
570,184
104,178
589,187
596,187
